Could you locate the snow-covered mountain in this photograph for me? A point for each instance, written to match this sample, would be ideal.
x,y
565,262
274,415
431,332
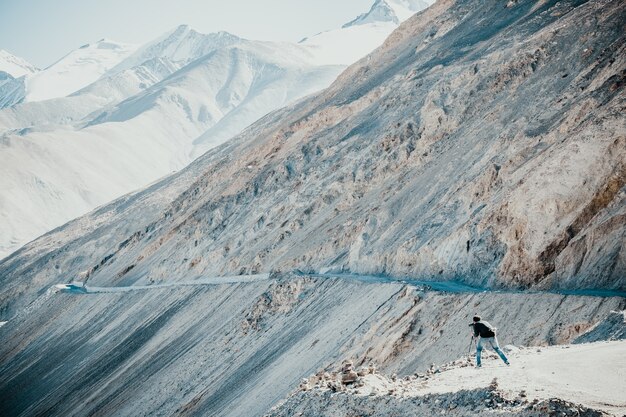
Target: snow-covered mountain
x,y
355,39
13,71
109,117
76,70
349,44
181,45
395,11
69,170
14,65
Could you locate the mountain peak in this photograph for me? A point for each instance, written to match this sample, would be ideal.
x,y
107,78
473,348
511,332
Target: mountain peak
x,y
14,65
379,12
182,29
395,11
105,43
183,44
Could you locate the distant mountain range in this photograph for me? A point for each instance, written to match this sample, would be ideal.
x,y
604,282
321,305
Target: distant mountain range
x,y
109,118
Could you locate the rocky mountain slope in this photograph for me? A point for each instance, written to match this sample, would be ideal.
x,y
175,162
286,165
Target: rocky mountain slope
x,y
238,348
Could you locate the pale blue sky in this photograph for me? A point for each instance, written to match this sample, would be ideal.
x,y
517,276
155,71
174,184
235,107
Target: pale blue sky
x,y
42,31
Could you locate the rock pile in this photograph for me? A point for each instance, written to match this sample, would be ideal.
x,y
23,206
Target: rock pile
x,y
348,375
338,381
488,401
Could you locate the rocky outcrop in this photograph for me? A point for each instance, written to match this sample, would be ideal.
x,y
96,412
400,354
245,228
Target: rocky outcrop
x,y
611,328
483,142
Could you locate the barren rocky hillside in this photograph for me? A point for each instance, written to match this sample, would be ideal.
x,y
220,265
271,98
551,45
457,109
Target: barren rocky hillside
x,y
237,349
480,150
483,142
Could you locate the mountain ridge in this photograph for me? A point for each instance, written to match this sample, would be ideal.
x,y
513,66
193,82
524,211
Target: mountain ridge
x,y
14,65
383,173
265,75
395,11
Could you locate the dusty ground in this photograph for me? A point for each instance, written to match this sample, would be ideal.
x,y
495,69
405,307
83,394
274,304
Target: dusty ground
x,y
592,376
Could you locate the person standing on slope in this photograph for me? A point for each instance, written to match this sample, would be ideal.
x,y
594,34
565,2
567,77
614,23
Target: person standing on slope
x,y
487,334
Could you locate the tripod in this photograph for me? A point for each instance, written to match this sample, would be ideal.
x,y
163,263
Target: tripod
x,y
471,343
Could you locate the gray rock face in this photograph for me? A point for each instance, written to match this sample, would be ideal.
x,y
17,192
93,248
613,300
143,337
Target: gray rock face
x,y
237,349
611,328
483,142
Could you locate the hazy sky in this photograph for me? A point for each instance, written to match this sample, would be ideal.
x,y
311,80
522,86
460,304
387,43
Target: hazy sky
x,y
42,31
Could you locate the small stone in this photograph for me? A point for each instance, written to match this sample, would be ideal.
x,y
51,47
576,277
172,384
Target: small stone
x,y
349,377
494,384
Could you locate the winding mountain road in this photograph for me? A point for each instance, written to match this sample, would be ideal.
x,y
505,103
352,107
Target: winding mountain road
x,y
438,286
